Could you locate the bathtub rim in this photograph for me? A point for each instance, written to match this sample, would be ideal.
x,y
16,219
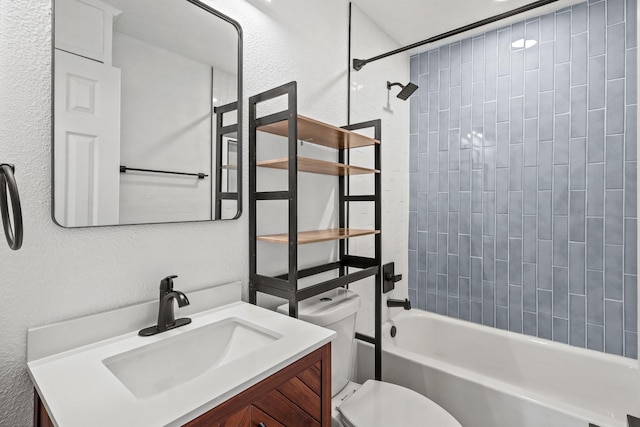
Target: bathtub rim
x,y
621,361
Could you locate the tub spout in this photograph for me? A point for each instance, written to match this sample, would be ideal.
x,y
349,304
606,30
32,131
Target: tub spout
x,y
406,304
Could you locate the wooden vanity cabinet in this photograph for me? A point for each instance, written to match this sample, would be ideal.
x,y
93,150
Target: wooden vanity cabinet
x,y
296,396
40,415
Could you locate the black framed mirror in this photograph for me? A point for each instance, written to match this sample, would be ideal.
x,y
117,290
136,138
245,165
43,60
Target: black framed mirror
x,y
147,102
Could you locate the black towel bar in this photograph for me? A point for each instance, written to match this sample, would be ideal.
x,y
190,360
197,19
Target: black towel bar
x,y
200,175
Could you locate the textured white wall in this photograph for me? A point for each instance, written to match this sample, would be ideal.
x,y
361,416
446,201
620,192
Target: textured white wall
x,y
370,100
62,273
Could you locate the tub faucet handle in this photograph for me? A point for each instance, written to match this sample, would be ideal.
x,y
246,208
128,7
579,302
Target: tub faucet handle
x,y
393,277
389,277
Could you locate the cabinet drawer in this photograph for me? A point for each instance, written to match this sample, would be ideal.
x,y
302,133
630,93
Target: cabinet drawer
x,y
280,408
260,419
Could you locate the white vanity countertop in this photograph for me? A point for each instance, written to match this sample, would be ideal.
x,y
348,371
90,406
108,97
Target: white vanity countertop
x,y
78,390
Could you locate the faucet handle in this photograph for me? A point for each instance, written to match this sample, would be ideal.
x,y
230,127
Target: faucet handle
x,y
166,284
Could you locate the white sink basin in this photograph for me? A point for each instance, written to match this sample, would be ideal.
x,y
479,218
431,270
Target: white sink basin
x,y
155,368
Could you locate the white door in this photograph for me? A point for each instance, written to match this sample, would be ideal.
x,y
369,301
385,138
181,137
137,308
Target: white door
x,y
86,141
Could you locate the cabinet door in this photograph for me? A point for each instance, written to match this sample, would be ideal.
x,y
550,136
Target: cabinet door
x,y
295,403
241,418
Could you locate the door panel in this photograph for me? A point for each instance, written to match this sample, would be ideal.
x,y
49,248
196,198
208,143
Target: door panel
x,y
87,135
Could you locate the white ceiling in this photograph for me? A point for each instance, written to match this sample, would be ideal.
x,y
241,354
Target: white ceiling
x,y
181,28
410,21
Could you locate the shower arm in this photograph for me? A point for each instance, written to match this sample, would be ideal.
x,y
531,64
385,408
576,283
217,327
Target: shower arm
x,y
359,63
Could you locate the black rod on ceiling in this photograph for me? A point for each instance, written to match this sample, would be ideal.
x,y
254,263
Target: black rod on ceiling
x,y
359,63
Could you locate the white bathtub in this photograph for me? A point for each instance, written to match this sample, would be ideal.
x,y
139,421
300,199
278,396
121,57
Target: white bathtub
x,y
487,377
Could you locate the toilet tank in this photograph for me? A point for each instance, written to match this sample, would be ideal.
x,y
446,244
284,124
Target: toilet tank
x,y
335,310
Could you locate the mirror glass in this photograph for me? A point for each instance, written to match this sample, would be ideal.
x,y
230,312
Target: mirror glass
x,y
145,101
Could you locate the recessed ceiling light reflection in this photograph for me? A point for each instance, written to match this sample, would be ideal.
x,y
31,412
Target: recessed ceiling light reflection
x,y
523,44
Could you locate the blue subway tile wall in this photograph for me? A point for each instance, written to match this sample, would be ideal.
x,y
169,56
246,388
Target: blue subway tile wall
x,y
523,178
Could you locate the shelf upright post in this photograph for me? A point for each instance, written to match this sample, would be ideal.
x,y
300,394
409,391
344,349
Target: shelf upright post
x,y
253,205
342,211
291,115
377,199
218,169
378,252
221,131
293,198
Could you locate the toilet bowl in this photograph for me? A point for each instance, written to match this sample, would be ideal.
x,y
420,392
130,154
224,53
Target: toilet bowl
x,y
374,403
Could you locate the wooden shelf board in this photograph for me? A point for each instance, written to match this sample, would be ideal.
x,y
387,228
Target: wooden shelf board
x,y
315,236
316,132
318,166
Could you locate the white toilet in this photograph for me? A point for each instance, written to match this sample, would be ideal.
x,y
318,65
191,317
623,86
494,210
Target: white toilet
x,y
374,403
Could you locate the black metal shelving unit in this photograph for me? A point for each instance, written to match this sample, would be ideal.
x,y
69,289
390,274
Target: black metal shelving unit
x,y
350,268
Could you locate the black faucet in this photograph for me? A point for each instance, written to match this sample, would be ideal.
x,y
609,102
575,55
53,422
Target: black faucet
x,y
166,318
406,304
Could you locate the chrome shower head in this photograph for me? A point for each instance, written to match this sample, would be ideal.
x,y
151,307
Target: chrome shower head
x,y
406,91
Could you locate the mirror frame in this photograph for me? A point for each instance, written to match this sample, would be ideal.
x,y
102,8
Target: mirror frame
x,y
239,125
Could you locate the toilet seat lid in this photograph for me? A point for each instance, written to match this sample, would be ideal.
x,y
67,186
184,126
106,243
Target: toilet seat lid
x,y
383,404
